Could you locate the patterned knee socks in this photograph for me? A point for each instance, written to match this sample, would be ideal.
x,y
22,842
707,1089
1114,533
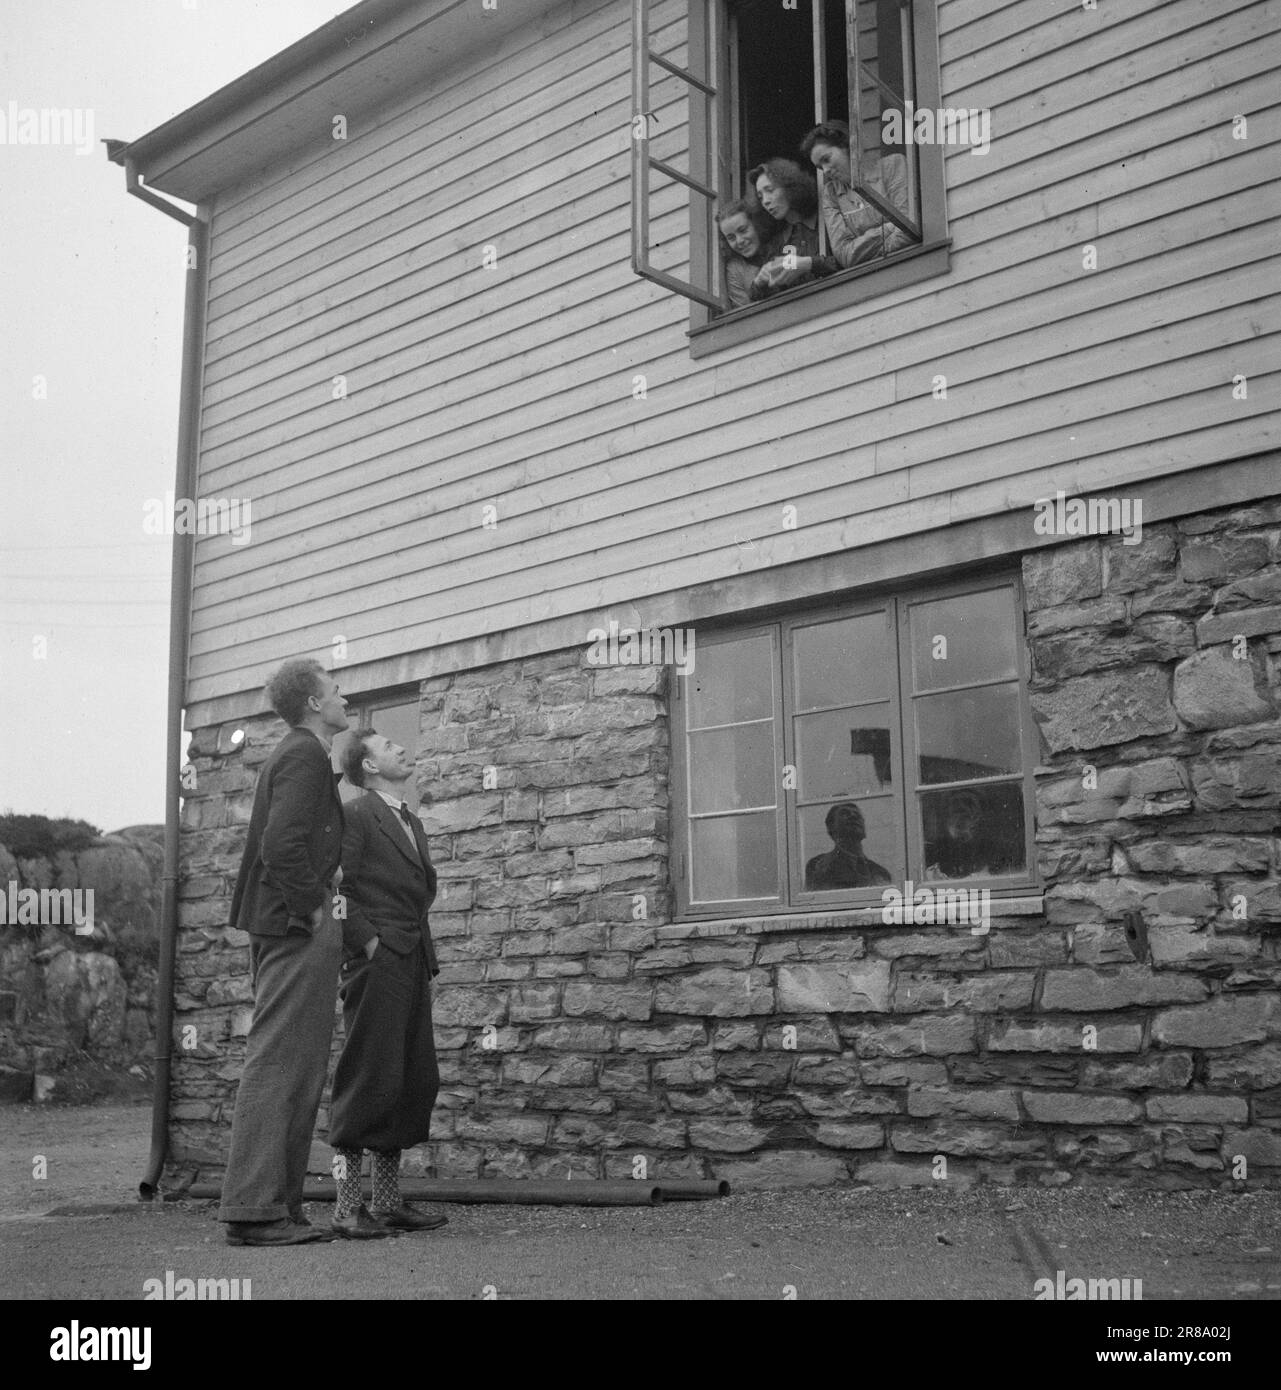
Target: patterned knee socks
x,y
386,1167
347,1176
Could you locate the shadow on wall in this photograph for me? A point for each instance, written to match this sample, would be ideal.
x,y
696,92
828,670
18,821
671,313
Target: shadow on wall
x,y
77,1008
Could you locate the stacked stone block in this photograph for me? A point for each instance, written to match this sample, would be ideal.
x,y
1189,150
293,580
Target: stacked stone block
x,y
583,1033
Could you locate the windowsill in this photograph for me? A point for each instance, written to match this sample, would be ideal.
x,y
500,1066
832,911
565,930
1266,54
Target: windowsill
x,y
836,292
1030,906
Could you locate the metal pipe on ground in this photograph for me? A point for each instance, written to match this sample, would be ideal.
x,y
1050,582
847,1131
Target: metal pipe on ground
x,y
582,1192
695,1190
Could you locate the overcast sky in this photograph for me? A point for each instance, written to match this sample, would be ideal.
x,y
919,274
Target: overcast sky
x,y
91,299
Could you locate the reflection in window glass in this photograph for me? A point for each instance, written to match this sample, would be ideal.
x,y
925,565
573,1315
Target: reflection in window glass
x,y
733,857
849,845
843,753
732,681
979,631
967,734
974,832
840,663
731,769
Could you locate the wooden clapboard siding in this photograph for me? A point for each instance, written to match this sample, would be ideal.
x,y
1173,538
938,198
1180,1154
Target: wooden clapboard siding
x,y
513,386
764,364
1153,377
1077,277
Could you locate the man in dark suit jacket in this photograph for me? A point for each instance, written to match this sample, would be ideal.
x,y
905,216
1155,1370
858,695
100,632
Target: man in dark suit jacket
x,y
284,899
387,1078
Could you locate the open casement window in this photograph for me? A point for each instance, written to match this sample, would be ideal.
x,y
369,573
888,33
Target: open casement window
x,y
676,109
395,716
720,86
823,757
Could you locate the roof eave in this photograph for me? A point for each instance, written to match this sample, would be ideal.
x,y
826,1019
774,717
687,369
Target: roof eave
x,y
353,64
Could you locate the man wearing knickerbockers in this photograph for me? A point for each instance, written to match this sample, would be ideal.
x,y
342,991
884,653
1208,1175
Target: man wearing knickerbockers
x,y
387,1078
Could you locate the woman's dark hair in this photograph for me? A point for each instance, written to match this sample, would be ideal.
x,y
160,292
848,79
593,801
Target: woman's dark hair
x,y
796,182
755,214
829,133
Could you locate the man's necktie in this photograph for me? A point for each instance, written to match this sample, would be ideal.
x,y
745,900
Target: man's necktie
x,y
407,816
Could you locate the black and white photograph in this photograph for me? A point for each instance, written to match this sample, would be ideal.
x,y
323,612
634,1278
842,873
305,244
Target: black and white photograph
x,y
642,642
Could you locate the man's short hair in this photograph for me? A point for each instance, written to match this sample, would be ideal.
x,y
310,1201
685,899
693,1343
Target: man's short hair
x,y
293,685
354,753
835,133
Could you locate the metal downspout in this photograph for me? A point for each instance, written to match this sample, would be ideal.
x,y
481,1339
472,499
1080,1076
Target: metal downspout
x,y
179,633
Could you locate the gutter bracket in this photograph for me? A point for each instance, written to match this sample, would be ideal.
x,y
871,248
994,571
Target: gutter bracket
x,y
133,183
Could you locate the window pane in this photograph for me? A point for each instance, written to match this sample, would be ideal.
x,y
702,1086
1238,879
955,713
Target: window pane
x,y
843,753
734,857
841,663
974,831
731,769
849,845
732,681
962,640
968,733
668,140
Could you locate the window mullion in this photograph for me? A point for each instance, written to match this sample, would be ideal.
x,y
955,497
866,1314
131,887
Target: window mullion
x,y
732,144
906,734
820,105
856,78
782,644
907,43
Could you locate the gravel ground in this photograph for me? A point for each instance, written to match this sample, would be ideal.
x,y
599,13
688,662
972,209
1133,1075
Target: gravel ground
x,y
928,1243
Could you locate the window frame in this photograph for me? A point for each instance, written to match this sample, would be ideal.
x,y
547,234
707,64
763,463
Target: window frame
x,y
713,139
792,900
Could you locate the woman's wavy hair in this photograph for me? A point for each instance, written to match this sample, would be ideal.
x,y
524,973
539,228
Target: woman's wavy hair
x,y
755,214
798,183
835,133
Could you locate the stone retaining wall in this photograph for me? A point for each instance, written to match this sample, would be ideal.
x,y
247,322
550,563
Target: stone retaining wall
x,y
582,1032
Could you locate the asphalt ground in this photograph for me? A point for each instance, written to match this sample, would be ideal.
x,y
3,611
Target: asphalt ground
x,y
939,1243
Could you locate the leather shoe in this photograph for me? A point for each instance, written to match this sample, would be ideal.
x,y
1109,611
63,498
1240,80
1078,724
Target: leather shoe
x,y
361,1226
405,1218
324,1232
281,1232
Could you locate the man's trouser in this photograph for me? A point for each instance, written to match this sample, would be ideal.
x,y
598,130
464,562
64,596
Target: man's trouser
x,y
295,980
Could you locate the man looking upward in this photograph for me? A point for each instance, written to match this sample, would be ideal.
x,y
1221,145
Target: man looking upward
x,y
284,900
387,1078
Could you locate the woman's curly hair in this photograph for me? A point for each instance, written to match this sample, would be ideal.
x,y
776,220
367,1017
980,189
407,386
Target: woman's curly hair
x,y
835,133
796,182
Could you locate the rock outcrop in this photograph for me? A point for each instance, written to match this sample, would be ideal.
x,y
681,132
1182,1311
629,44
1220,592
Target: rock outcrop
x,y
68,995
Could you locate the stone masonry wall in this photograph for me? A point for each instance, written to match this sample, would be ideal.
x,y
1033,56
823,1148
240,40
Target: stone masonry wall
x,y
581,1032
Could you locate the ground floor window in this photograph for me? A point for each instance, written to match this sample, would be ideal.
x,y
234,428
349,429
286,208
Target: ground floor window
x,y
823,756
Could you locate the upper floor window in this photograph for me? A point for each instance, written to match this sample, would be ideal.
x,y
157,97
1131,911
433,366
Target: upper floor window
x,y
776,148
825,756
